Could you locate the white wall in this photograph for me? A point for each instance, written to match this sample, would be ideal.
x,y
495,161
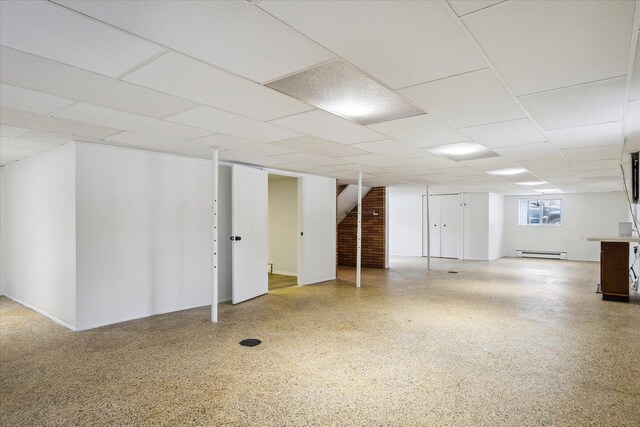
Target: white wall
x,y
144,239
38,257
496,226
283,225
405,222
584,215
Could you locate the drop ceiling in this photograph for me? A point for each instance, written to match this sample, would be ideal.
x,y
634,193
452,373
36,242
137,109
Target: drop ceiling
x,y
549,87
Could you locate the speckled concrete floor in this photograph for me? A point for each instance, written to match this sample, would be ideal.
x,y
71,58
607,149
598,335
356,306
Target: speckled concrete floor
x,y
511,342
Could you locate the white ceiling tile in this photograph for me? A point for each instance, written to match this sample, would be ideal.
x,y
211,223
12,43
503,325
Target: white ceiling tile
x,y
490,163
325,125
539,150
460,172
538,46
592,153
393,149
311,144
234,35
25,144
634,89
374,160
150,142
309,168
232,124
127,121
587,136
28,100
535,165
43,75
10,131
240,156
16,153
434,162
352,29
598,172
315,159
361,168
412,170
47,137
420,131
53,32
210,86
632,120
555,173
504,134
467,100
464,7
235,143
54,124
581,105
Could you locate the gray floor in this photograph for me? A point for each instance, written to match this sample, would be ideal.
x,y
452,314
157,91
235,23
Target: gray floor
x,y
510,342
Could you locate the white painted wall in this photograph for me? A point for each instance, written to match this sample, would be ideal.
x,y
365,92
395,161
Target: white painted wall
x,y
496,226
38,253
405,221
283,225
585,214
144,237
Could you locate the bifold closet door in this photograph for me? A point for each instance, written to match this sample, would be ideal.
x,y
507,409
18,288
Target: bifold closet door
x,y
250,234
450,226
434,225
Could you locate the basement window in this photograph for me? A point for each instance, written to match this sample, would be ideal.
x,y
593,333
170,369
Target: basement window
x,y
540,212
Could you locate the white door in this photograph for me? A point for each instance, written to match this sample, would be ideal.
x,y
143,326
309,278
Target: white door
x,y
317,229
450,230
434,224
250,234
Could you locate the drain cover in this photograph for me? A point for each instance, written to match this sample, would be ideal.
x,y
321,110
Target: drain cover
x,y
251,342
452,272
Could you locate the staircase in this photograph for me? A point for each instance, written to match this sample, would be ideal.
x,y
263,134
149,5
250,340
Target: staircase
x,y
348,199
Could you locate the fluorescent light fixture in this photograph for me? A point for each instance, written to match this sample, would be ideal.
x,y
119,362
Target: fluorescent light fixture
x,y
531,183
548,190
507,171
341,89
463,151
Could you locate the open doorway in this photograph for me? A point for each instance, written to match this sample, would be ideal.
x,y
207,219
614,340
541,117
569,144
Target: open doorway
x,y
283,232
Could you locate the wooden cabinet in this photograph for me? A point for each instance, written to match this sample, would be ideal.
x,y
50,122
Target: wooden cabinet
x,y
614,271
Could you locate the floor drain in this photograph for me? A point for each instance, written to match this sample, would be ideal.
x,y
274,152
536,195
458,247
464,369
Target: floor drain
x,y
452,272
251,342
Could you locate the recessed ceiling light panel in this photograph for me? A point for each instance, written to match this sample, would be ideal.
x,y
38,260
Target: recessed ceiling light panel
x,y
463,151
531,183
341,89
507,171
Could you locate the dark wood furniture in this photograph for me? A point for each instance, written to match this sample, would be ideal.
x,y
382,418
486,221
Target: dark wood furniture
x,y
614,271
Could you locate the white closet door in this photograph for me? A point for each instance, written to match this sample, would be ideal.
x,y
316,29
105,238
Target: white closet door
x,y
450,230
434,224
318,229
250,234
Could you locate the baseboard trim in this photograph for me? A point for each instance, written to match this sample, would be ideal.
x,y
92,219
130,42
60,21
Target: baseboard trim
x,y
139,316
42,313
284,273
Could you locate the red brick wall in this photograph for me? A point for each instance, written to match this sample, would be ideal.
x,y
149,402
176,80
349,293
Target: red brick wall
x,y
373,231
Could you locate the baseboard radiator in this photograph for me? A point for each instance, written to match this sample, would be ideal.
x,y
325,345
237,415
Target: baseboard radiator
x,y
541,254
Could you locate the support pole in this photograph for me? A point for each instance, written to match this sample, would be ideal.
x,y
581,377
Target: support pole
x,y
428,234
359,238
214,290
